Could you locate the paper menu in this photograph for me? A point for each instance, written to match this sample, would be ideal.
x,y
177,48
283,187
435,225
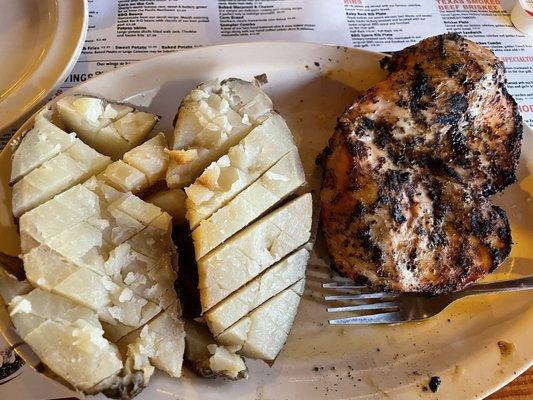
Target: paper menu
x,y
124,31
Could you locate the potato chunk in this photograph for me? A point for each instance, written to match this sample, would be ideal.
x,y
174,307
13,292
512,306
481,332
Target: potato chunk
x,y
111,129
67,337
212,118
173,202
264,331
208,358
274,185
277,278
232,173
150,158
253,250
43,142
160,343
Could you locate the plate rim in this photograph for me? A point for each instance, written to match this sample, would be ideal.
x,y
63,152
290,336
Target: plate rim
x,y
63,29
485,390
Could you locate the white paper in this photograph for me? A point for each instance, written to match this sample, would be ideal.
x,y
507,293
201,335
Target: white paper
x,y
486,22
391,25
123,31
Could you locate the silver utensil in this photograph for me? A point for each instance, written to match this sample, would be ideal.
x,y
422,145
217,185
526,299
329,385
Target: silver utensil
x,y
393,308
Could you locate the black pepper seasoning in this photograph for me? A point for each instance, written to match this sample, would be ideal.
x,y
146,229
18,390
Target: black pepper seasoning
x,y
434,383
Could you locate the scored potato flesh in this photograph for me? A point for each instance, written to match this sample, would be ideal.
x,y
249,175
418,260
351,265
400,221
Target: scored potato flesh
x,y
51,218
50,271
112,129
132,128
87,115
102,249
140,168
264,331
43,142
76,164
277,278
66,336
245,162
283,178
86,257
253,250
119,267
212,118
61,172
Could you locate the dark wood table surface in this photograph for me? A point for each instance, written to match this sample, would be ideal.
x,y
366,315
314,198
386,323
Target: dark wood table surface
x,y
519,389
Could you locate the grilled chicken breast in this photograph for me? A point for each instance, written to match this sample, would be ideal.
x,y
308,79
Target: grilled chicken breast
x,y
409,168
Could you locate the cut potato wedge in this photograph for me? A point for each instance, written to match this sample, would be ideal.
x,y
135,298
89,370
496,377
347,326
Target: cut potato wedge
x,y
282,179
43,142
124,177
50,271
232,173
150,158
160,343
111,129
61,172
253,250
172,201
212,118
67,337
140,168
277,278
208,359
133,128
264,331
87,115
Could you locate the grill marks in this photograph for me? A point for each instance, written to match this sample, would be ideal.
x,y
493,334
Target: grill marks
x,y
421,94
410,166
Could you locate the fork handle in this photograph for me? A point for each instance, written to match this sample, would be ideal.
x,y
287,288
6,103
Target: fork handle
x,y
511,285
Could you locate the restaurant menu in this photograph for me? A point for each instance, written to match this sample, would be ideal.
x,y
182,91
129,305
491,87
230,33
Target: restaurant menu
x,y
124,31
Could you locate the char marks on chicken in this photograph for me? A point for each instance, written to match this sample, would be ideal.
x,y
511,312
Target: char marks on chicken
x,y
409,169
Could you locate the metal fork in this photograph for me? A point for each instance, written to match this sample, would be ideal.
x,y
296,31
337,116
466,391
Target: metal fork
x,y
392,308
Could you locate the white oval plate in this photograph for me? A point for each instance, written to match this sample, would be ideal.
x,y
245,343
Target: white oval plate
x,y
311,85
40,42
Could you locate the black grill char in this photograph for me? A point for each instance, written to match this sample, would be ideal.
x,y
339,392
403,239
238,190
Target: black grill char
x,y
410,167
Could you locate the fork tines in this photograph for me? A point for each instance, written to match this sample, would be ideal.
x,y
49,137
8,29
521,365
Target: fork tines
x,y
387,307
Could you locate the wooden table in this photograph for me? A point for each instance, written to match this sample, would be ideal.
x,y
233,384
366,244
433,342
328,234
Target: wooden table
x,y
519,389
